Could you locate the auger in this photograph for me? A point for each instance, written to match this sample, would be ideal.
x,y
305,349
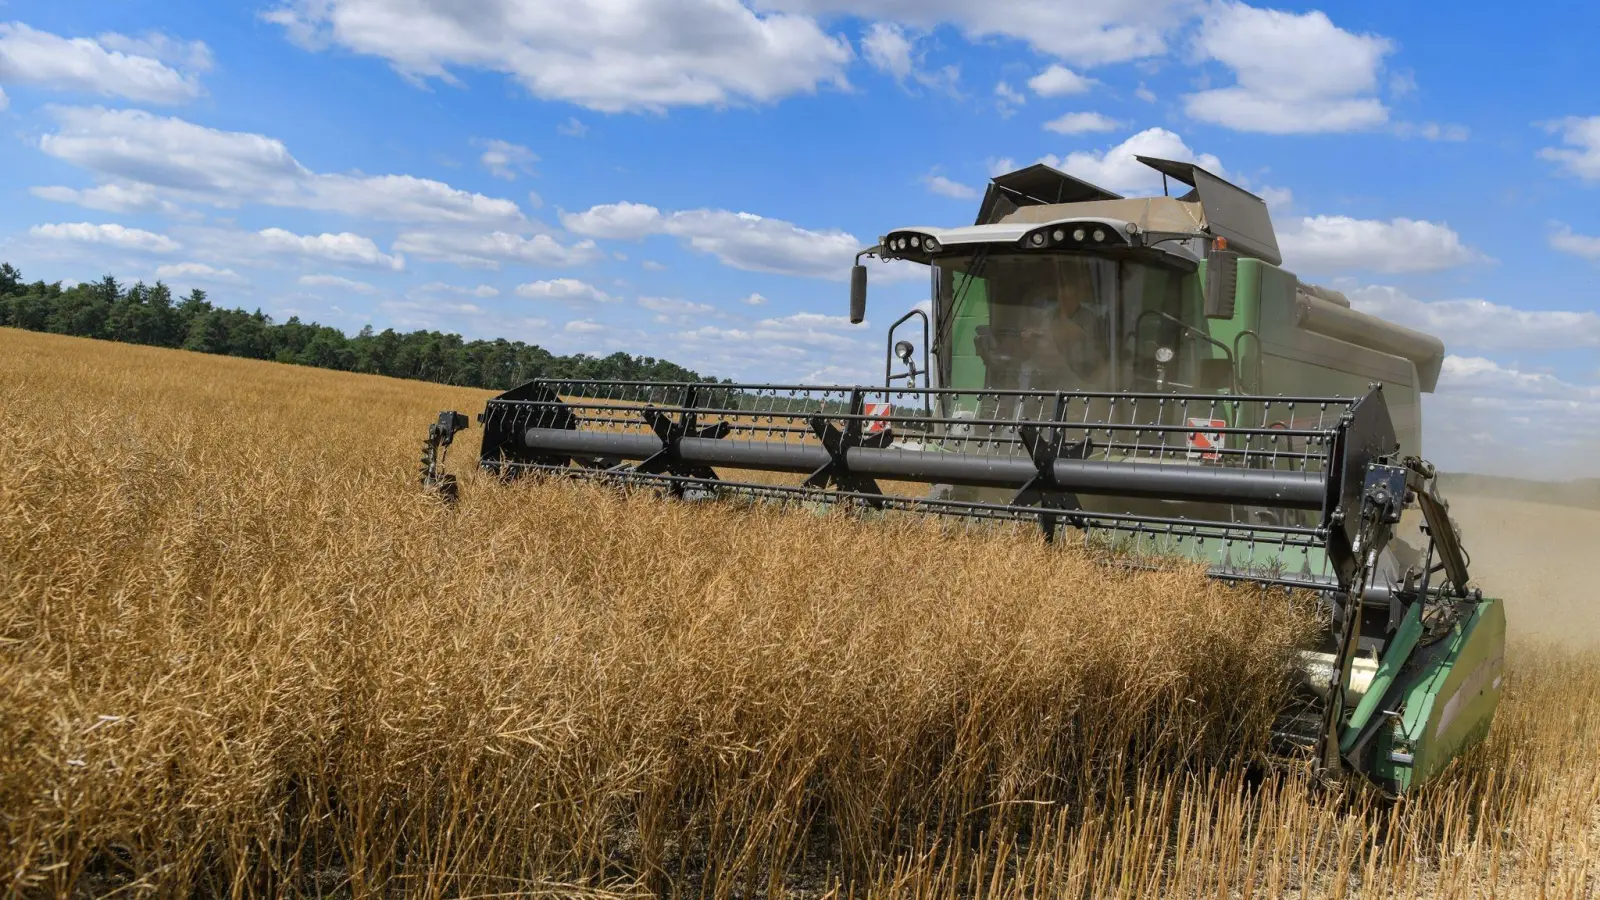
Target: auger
x,y
1138,374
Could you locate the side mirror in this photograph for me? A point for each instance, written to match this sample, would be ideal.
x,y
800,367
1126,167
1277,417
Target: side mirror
x,y
858,294
1222,282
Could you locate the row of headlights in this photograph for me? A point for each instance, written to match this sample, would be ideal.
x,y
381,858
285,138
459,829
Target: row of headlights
x,y
1060,234
916,243
1079,234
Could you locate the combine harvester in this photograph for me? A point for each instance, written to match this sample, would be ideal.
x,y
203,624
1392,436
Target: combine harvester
x,y
1140,374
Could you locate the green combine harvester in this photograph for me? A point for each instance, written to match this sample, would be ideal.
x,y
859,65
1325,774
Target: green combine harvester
x,y
1141,375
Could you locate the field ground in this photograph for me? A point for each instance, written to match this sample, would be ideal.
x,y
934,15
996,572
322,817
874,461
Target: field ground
x,y
241,654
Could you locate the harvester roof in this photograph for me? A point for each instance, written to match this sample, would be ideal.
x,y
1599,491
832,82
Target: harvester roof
x,y
1018,202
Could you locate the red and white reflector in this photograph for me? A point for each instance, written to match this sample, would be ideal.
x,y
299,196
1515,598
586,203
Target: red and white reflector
x,y
879,411
1206,444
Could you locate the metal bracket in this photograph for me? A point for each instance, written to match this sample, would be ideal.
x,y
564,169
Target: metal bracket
x,y
838,444
1436,512
667,460
441,435
1041,490
507,418
1382,497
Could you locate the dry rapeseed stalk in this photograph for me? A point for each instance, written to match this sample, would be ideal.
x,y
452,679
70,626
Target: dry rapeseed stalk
x,y
239,652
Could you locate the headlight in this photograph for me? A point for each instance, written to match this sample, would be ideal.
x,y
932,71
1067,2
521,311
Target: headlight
x,y
915,241
1058,235
930,245
1037,239
1099,235
1077,234
1164,355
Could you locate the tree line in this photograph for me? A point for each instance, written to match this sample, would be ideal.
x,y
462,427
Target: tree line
x,y
149,314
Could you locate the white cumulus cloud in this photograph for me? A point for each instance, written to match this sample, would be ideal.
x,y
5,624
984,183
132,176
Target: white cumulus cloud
x,y
755,243
1485,411
119,197
1082,123
944,187
192,56
1568,241
344,247
163,157
887,48
1295,73
1481,325
338,282
1082,32
482,291
195,271
1008,97
673,306
1059,81
647,55
616,221
739,240
506,160
490,250
110,235
583,326
1334,243
113,65
569,290
890,48
1116,169
1580,150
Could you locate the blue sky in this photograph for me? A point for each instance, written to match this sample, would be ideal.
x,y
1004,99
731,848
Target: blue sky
x,y
689,179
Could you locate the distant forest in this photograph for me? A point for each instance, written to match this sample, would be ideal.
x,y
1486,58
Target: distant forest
x,y
148,314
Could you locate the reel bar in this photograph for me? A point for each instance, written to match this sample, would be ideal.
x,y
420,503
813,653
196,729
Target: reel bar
x,y
1285,535
1116,448
589,386
1200,484
914,422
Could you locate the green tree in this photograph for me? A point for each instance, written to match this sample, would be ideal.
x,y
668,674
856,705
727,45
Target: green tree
x,y
10,280
208,333
146,314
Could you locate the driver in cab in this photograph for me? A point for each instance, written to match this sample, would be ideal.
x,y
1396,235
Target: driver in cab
x,y
1061,334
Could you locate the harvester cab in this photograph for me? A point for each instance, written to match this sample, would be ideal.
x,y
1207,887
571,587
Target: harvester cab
x,y
1137,374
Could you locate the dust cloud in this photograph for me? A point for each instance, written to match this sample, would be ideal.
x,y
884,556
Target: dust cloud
x,y
1541,558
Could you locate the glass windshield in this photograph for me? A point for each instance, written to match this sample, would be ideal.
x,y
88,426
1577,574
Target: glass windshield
x,y
1023,321
1047,322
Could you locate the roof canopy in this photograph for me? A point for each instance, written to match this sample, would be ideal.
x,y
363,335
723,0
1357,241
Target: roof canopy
x,y
1037,185
1228,211
1231,211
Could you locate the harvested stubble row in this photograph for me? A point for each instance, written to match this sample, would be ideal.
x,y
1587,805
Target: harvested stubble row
x,y
240,653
